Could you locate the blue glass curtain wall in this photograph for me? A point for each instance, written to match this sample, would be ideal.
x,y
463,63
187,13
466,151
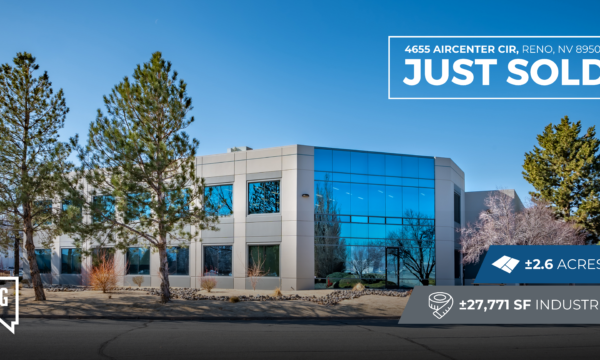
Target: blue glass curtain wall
x,y
365,205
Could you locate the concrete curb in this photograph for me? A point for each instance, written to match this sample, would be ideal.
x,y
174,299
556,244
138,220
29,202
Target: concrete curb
x,y
205,318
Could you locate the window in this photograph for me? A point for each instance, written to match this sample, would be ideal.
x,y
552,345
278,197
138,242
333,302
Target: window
x,y
138,205
43,208
219,200
263,197
67,205
70,261
266,257
103,207
217,260
178,201
178,259
365,201
98,254
138,261
44,260
457,208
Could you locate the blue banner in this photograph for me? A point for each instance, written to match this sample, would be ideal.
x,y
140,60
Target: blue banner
x,y
540,264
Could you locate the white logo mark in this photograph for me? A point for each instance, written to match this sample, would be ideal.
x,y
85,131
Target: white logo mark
x,y
506,263
4,302
441,302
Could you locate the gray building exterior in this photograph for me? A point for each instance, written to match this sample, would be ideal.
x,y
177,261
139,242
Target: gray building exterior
x,y
312,217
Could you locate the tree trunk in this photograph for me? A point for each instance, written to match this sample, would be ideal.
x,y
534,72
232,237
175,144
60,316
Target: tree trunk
x,y
17,252
36,279
163,273
425,282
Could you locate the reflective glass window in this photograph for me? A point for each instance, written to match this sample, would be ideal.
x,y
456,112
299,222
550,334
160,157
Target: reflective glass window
x,y
393,165
70,261
377,200
102,254
360,199
341,161
138,205
410,182
138,261
341,177
426,203
323,160
364,179
103,207
266,257
356,241
342,197
426,183
393,232
43,258
410,166
178,202
321,175
393,181
410,202
390,200
360,230
376,231
218,260
377,180
70,204
393,201
263,197
359,163
178,259
426,168
219,200
376,164
345,230
324,203
45,210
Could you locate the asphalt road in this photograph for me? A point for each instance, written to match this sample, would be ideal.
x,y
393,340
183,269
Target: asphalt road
x,y
368,339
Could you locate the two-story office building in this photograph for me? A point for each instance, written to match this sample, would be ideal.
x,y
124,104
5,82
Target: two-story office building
x,y
310,217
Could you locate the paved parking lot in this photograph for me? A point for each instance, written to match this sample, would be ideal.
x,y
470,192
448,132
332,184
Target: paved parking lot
x,y
375,339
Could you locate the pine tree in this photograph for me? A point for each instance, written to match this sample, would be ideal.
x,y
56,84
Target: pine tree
x,y
140,169
565,172
32,160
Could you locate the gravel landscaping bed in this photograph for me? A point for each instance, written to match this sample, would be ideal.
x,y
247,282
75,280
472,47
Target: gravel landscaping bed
x,y
193,294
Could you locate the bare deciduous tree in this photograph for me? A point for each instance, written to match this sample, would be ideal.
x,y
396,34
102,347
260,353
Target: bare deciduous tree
x,y
416,245
330,249
501,225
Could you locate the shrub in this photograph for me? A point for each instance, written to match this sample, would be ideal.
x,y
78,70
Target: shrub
x,y
348,283
104,275
358,287
234,299
277,292
208,283
138,280
255,272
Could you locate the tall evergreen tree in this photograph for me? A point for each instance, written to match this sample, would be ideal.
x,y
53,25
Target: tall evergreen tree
x,y
565,172
140,169
32,160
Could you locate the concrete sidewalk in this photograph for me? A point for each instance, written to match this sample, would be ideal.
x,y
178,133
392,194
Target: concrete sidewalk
x,y
138,305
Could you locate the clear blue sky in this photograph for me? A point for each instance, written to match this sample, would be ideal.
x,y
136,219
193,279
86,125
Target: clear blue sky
x,y
273,73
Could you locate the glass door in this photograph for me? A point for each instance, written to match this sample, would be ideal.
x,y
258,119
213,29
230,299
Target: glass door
x,y
392,268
